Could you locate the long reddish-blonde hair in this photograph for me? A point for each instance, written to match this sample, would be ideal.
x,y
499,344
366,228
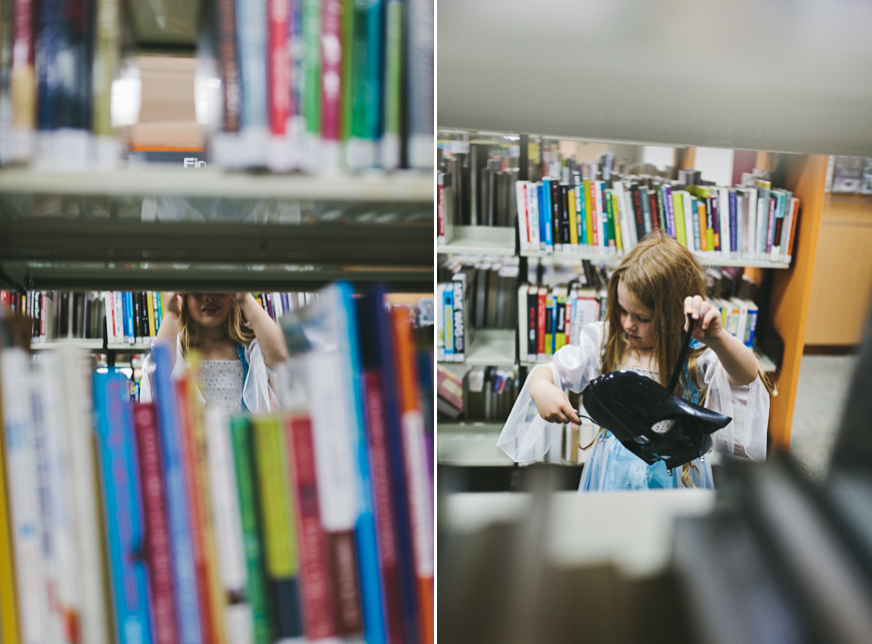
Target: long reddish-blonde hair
x,y
235,326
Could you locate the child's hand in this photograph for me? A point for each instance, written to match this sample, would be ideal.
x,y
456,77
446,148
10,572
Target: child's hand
x,y
552,403
240,298
173,302
707,327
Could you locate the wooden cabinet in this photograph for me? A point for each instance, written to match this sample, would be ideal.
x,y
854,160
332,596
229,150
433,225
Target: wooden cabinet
x,y
842,282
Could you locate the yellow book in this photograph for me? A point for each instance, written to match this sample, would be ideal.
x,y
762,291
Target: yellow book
x,y
152,332
588,212
616,215
217,596
678,209
573,219
8,609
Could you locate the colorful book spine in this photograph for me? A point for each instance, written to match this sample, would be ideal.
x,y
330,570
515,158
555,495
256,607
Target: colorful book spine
x,y
589,214
386,464
20,452
251,39
238,620
278,69
22,82
152,327
245,487
420,495
9,603
734,223
278,527
157,536
184,577
420,79
228,64
311,20
89,562
192,439
366,83
122,506
106,51
548,215
319,606
394,20
347,66
331,76
573,219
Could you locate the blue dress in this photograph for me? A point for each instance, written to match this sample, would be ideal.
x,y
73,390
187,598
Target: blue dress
x,y
526,437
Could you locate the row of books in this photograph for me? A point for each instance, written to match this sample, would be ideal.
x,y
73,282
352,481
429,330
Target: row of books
x,y
851,175
58,61
754,222
131,317
553,317
312,522
491,286
482,394
322,85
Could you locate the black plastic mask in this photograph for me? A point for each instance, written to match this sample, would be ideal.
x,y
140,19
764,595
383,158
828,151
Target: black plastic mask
x,y
649,419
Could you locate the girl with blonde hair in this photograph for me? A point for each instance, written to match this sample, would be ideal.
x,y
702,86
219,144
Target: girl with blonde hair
x,y
649,296
237,342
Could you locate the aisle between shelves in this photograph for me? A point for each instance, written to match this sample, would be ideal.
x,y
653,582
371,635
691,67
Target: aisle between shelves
x,y
314,520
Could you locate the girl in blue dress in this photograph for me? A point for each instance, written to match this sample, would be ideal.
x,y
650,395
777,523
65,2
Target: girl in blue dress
x,y
649,295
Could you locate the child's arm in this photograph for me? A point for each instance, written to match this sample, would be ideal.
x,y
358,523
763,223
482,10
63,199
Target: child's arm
x,y
551,401
738,360
267,332
168,332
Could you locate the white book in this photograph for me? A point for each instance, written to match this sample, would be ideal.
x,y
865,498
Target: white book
x,y
751,248
631,217
80,439
724,216
623,217
762,227
119,317
49,491
523,326
23,494
742,307
440,322
227,516
598,215
533,218
740,223
278,307
689,217
521,204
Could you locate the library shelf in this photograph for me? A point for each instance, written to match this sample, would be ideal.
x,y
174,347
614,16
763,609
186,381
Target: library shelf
x,y
167,180
491,347
471,444
615,258
480,240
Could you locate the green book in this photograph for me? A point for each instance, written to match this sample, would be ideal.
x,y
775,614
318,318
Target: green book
x,y
347,68
610,221
392,84
678,205
240,435
277,521
312,66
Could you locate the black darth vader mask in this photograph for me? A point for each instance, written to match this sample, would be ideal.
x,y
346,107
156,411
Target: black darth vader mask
x,y
650,420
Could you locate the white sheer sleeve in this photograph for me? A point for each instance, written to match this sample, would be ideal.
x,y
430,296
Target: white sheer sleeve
x,y
257,391
526,437
748,406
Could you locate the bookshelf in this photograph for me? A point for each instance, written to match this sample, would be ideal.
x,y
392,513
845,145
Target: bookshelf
x,y
364,229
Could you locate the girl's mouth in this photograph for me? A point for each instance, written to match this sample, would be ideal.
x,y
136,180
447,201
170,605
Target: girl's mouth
x,y
210,309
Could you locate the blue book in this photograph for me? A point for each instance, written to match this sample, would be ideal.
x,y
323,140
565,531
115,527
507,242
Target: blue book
x,y
734,236
580,211
448,317
129,333
125,526
251,39
377,358
546,213
184,578
48,41
540,200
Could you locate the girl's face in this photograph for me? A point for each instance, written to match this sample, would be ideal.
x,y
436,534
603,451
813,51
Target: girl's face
x,y
637,320
208,310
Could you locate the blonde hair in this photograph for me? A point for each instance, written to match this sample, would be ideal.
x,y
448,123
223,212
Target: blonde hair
x,y
660,273
235,326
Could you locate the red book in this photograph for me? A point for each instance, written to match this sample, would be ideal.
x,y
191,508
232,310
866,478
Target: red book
x,y
319,609
420,494
228,64
652,201
157,537
331,69
278,66
440,204
383,498
567,327
196,501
